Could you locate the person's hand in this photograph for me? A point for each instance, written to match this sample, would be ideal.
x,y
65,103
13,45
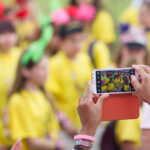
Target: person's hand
x,y
142,88
17,145
3,147
145,138
90,111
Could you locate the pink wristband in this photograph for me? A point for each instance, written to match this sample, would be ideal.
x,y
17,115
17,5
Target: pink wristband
x,y
85,137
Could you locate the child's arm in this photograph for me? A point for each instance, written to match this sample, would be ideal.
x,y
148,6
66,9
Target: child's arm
x,y
128,146
42,144
66,124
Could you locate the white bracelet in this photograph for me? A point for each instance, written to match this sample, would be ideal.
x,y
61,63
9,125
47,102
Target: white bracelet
x,y
84,143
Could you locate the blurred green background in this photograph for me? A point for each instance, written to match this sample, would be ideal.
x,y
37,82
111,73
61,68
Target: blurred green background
x,y
115,7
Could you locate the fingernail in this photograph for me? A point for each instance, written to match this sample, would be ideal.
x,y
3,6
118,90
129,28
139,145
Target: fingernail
x,y
89,81
131,76
79,101
133,65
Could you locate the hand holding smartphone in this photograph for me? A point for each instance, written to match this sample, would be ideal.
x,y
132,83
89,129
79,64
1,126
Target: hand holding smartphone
x,y
113,81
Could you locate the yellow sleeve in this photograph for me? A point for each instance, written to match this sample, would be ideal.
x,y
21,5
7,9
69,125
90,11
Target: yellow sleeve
x,y
128,130
103,27
21,123
101,55
130,15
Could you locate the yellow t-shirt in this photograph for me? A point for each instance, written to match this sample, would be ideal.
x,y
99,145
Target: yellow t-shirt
x,y
148,37
118,82
31,116
128,130
107,80
8,66
25,30
103,28
68,81
103,78
131,16
100,54
111,87
126,87
104,88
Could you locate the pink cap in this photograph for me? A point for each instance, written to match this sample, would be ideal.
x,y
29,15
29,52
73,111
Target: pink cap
x,y
60,17
86,13
134,35
147,1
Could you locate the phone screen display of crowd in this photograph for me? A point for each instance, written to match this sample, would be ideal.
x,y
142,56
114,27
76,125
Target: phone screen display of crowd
x,y
114,81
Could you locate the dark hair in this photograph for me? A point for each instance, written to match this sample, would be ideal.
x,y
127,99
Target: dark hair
x,y
118,57
97,3
146,3
7,27
72,27
20,81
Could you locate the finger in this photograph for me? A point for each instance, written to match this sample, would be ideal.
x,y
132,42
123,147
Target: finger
x,y
140,70
82,99
89,92
135,83
95,96
17,145
146,68
101,100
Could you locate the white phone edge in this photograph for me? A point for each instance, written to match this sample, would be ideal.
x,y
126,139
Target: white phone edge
x,y
94,80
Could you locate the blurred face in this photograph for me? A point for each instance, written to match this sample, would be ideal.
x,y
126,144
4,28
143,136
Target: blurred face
x,y
134,54
38,74
55,42
87,2
30,6
111,80
8,40
72,44
144,16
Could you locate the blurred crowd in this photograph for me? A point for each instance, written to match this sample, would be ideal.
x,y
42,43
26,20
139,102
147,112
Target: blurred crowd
x,y
46,62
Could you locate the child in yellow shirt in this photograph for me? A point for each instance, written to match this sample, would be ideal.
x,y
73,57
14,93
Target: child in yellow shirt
x,y
118,82
103,76
102,28
126,86
96,48
138,17
27,24
104,87
111,85
70,71
9,56
127,133
107,78
30,109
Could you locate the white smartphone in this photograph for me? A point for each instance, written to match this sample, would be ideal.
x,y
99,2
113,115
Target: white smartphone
x,y
113,81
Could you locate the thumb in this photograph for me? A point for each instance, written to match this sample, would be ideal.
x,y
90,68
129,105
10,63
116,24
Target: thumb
x,y
101,100
135,82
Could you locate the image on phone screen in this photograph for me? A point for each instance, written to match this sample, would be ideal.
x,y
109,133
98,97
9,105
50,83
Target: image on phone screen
x,y
111,81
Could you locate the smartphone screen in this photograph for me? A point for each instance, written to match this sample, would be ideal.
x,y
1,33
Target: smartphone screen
x,y
114,81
